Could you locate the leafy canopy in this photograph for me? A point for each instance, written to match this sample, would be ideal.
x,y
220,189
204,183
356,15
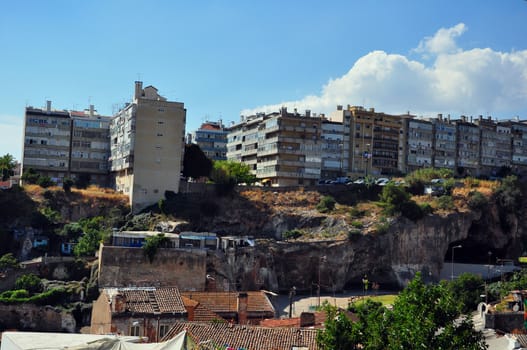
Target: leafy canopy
x,y
423,317
7,164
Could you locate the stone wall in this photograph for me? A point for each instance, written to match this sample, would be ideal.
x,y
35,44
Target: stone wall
x,y
504,321
127,267
29,317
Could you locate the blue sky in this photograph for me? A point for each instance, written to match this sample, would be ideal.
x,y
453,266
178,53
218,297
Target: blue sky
x,y
224,58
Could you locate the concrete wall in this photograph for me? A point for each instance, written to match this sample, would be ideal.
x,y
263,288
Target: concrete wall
x,y
504,321
125,267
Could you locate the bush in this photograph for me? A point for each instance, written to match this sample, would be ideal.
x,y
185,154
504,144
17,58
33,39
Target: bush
x,y
357,213
29,282
477,200
326,204
357,224
382,226
45,181
426,208
153,243
291,234
445,203
8,260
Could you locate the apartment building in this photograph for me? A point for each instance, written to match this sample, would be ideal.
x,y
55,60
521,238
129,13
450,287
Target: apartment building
x,y
419,144
376,142
445,136
211,137
147,140
66,144
282,149
519,144
468,147
496,142
334,156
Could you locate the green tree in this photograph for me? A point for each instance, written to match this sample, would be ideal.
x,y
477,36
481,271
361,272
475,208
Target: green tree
x,y
67,183
45,181
423,317
231,171
195,162
467,289
94,232
29,282
7,164
396,200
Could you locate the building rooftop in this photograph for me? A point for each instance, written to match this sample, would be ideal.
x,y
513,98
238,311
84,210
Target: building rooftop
x,y
149,300
228,301
247,337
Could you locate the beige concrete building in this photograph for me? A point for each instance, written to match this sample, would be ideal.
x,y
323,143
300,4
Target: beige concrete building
x,y
282,149
147,143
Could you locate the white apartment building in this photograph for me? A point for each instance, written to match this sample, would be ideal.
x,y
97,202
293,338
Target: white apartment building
x,y
147,143
66,144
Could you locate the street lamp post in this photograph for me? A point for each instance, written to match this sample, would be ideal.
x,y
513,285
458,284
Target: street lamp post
x,y
489,254
292,293
320,261
452,262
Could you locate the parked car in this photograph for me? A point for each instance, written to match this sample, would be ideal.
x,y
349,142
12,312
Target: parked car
x,y
382,181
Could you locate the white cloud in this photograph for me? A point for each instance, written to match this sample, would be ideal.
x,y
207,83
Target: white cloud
x,y
475,81
443,41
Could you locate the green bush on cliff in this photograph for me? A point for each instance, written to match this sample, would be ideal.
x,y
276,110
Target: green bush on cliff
x,y
291,234
29,282
476,200
326,204
395,200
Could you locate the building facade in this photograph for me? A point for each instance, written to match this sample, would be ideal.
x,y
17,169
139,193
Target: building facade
x,y
211,138
282,149
66,144
147,140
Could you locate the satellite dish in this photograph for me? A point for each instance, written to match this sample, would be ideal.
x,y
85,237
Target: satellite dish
x,y
516,307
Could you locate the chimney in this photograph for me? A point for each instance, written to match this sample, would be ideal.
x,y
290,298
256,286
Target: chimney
x,y
138,89
48,106
307,319
92,110
242,308
308,113
339,107
119,303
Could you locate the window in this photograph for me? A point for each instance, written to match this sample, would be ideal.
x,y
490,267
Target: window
x,y
163,330
159,134
134,330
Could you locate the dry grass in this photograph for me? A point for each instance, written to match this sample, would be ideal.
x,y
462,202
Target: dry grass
x,y
283,200
94,192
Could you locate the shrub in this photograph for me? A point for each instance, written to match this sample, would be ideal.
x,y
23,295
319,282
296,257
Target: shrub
x,y
326,204
357,213
357,224
45,181
382,226
29,282
445,203
8,260
291,234
477,200
153,243
426,208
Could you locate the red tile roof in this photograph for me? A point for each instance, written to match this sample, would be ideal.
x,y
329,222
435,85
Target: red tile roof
x,y
247,337
201,312
153,300
257,302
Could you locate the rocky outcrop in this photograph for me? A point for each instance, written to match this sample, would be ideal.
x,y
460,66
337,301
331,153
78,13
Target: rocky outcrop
x,y
391,259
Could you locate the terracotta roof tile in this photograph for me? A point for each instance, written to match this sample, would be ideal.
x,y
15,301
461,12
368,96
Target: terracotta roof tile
x,y
228,301
247,337
153,300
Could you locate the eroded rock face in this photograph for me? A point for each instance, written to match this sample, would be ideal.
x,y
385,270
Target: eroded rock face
x,y
391,259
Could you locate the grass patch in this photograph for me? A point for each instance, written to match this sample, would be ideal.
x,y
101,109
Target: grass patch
x,y
385,300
